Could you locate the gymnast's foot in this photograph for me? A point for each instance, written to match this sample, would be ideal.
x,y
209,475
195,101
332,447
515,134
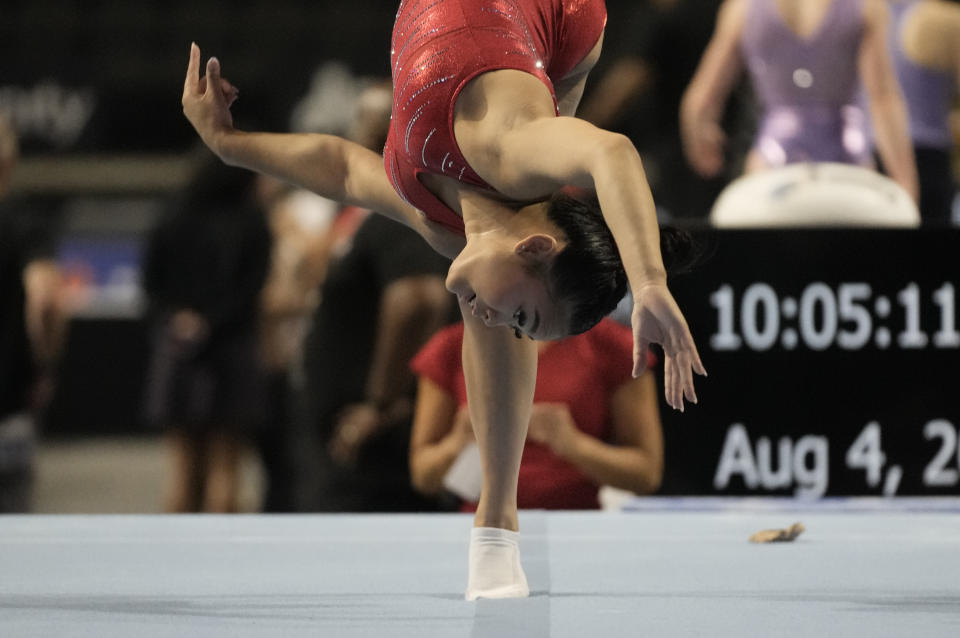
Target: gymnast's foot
x,y
494,565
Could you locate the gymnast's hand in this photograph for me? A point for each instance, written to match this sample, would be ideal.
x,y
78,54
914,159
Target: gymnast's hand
x,y
657,319
207,100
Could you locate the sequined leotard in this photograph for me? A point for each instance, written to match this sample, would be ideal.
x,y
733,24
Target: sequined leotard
x,y
438,46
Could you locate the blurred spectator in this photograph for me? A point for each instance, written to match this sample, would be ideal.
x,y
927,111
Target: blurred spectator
x,y
299,224
805,60
203,273
379,303
650,52
368,127
307,236
32,327
592,423
925,46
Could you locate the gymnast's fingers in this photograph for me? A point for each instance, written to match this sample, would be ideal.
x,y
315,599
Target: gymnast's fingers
x,y
192,81
686,371
695,362
672,384
677,385
666,382
213,73
229,91
640,348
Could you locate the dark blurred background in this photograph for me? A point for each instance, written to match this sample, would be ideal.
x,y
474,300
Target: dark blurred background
x,y
92,89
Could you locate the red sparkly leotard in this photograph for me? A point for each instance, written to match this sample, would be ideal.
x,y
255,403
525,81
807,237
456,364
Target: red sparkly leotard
x,y
438,46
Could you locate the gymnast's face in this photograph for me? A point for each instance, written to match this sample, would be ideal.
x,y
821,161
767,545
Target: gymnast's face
x,y
504,284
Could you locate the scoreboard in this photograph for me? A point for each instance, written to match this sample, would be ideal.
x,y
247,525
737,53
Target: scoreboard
x,y
834,362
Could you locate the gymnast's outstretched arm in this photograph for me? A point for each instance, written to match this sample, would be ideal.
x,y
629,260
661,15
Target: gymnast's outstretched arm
x,y
527,155
325,164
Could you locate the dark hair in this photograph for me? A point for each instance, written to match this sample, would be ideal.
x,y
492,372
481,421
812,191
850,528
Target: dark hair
x,y
588,275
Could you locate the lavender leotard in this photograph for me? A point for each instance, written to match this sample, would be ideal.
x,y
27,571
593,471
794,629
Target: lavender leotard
x,y
928,92
807,86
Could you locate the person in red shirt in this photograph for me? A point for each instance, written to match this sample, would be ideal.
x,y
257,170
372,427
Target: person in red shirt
x,y
592,424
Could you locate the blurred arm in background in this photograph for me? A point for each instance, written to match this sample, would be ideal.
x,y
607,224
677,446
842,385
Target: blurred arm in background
x,y
411,310
632,461
441,431
617,89
702,105
45,312
925,48
887,108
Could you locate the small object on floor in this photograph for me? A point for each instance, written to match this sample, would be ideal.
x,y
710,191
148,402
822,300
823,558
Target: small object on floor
x,y
778,535
494,569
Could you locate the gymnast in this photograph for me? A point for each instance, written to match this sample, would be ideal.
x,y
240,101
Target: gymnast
x,y
482,147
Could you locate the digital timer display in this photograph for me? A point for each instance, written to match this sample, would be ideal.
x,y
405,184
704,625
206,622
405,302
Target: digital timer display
x,y
848,316
833,358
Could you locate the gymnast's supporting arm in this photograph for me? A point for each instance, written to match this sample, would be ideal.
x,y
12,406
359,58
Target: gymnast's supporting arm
x,y
887,107
500,372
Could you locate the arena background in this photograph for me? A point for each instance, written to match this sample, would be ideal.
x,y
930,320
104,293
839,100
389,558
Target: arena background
x,y
93,88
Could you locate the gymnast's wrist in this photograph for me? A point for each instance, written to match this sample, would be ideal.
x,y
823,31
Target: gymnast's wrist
x,y
649,276
227,145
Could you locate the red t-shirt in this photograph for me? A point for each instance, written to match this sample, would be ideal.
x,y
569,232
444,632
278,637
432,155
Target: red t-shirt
x,y
582,371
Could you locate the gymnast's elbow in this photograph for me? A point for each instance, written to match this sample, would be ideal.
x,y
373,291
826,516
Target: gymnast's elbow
x,y
613,153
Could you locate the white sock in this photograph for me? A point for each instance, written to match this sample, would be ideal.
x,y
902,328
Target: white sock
x,y
494,569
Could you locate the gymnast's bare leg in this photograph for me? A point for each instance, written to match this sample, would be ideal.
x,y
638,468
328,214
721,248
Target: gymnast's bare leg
x,y
500,373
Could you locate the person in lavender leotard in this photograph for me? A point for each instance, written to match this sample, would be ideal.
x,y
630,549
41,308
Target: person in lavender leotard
x,y
483,141
924,37
806,60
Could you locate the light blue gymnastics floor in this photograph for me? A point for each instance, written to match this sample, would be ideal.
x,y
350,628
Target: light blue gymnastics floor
x,y
669,568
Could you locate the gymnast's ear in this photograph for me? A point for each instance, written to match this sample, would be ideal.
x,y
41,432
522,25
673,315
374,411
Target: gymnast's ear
x,y
538,248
